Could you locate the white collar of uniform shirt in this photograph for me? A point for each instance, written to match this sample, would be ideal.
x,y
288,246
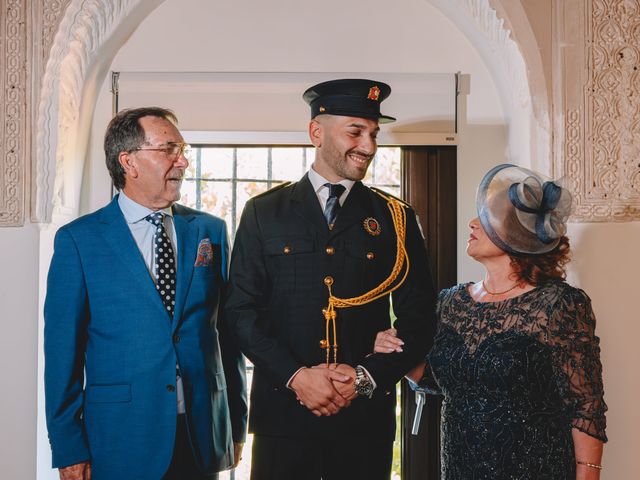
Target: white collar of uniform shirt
x,y
322,192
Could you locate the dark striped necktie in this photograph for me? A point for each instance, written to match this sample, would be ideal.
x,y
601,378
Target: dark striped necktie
x,y
332,207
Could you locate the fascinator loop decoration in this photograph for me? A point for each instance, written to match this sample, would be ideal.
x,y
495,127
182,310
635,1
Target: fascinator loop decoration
x,y
522,211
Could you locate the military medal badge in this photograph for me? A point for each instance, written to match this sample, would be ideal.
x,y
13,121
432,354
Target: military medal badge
x,y
372,226
205,253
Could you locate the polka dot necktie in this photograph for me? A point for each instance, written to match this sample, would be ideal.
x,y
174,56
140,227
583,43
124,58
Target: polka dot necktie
x,y
164,268
333,205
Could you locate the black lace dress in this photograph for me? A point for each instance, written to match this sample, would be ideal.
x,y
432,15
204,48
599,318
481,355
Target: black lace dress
x,y
517,376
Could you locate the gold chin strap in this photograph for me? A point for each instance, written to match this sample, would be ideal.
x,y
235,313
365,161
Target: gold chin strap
x,y
398,215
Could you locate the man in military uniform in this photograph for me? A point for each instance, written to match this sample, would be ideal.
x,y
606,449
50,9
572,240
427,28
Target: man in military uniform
x,y
313,268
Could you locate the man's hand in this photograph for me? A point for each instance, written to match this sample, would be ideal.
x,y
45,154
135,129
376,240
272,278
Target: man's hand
x,y
237,453
79,471
346,389
315,390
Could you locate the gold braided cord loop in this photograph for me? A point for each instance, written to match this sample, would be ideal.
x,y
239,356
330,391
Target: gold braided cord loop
x,y
399,217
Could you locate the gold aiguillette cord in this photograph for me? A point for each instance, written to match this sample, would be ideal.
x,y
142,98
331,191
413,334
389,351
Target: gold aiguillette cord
x,y
398,215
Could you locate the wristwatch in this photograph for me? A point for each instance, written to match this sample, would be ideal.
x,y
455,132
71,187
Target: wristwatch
x,y
362,383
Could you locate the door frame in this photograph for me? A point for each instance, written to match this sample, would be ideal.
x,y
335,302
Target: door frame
x,y
429,184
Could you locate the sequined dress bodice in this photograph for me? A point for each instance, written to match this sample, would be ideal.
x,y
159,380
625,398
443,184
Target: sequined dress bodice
x,y
516,376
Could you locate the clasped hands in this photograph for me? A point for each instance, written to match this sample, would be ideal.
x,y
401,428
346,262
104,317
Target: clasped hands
x,y
325,390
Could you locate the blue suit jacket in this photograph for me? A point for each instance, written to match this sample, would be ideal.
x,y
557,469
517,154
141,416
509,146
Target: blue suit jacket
x,y
111,350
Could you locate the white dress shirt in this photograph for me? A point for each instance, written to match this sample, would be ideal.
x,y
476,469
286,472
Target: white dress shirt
x,y
322,192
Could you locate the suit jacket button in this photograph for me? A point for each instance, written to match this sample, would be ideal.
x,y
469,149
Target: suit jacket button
x,y
287,250
330,250
171,388
176,338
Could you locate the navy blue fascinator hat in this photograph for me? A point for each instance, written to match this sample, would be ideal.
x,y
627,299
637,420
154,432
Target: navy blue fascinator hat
x,y
521,211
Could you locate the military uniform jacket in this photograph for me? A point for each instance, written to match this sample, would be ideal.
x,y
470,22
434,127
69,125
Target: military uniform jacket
x,y
283,252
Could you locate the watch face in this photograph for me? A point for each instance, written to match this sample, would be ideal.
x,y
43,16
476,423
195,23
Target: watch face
x,y
364,389
363,386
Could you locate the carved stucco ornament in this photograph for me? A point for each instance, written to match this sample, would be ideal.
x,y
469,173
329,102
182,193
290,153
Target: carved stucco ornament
x,y
13,101
598,149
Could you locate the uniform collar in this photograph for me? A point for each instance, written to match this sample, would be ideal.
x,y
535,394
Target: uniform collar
x,y
318,181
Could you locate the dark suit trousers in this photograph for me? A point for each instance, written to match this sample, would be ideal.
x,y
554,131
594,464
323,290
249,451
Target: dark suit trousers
x,y
341,457
183,465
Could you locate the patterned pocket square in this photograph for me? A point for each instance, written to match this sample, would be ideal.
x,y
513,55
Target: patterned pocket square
x,y
205,253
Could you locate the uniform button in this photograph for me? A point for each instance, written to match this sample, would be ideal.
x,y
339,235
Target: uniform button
x,y
330,250
171,388
328,280
324,343
176,338
370,255
287,250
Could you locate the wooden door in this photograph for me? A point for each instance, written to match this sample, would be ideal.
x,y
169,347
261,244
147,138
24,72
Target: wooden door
x,y
429,184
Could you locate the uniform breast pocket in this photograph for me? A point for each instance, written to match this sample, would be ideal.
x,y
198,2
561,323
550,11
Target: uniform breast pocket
x,y
290,261
364,265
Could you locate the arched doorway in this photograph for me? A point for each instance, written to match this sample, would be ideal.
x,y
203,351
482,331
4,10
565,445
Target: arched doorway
x,y
91,34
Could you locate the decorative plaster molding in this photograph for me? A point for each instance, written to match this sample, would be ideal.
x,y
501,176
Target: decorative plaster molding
x,y
478,20
76,56
52,11
600,98
13,98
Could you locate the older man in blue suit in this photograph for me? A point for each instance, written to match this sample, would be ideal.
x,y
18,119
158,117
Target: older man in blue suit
x,y
141,380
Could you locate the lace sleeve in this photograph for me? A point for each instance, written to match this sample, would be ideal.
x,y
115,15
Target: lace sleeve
x,y
577,361
427,382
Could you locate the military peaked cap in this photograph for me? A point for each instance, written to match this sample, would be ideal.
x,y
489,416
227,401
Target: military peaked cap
x,y
350,98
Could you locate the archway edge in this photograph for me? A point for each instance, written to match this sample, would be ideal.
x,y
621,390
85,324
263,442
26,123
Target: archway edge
x,y
501,33
88,37
91,33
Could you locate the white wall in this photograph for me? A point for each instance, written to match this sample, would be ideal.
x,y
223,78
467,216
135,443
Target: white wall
x,y
606,265
299,36
18,352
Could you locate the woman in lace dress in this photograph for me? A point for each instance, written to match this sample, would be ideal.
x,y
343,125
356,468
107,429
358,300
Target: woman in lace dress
x,y
515,355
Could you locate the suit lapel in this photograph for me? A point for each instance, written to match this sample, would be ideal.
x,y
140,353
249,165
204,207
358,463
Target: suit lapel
x,y
355,209
306,205
187,239
118,236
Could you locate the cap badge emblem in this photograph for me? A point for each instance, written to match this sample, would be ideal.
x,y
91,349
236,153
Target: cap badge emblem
x,y
374,93
372,226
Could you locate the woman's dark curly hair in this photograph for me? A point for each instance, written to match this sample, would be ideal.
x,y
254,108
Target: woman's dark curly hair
x,y
540,269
